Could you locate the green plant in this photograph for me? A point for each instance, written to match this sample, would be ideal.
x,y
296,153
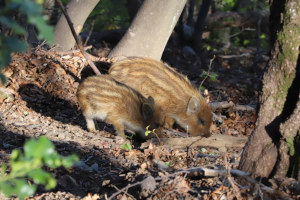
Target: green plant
x,y
151,131
212,76
127,147
26,168
169,164
208,73
11,32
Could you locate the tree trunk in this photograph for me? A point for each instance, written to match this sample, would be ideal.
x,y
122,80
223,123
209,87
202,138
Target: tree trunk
x,y
150,30
200,24
271,149
78,11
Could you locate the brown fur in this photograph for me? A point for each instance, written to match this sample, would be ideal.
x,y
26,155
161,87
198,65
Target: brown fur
x,y
101,97
172,91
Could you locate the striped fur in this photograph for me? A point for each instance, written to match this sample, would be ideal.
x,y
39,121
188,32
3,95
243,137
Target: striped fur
x,y
101,97
172,91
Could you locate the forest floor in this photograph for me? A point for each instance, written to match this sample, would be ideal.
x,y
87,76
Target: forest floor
x,y
41,100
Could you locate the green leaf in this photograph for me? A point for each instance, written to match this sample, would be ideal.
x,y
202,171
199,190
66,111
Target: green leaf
x,y
15,44
4,57
69,160
17,187
202,88
45,31
19,168
39,176
3,169
38,148
30,8
53,160
213,76
203,150
3,78
127,147
147,133
203,74
12,24
15,155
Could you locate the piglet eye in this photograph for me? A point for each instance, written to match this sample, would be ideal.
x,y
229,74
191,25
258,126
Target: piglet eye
x,y
201,121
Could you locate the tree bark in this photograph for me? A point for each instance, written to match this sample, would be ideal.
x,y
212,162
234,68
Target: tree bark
x,y
150,30
78,11
272,144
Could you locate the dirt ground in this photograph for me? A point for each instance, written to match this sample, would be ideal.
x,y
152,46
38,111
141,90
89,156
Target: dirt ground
x,y
41,101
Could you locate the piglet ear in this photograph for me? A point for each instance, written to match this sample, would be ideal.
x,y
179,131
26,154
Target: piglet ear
x,y
147,111
193,105
150,100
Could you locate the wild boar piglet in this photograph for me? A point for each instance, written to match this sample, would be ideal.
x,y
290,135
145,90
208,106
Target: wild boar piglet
x,y
101,97
179,99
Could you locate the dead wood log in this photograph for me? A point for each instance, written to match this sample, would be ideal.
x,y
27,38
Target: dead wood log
x,y
216,141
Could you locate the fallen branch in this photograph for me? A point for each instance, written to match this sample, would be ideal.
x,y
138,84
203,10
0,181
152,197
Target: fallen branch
x,y
207,173
79,45
237,56
216,141
225,104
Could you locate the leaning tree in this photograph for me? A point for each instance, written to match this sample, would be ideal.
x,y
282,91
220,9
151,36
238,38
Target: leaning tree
x,y
273,148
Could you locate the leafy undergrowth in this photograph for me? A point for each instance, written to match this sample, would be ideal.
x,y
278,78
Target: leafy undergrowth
x,y
40,101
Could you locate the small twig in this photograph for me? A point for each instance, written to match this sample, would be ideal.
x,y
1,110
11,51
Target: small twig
x,y
40,46
90,33
203,172
125,192
208,72
222,49
229,177
238,33
237,56
79,45
125,188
